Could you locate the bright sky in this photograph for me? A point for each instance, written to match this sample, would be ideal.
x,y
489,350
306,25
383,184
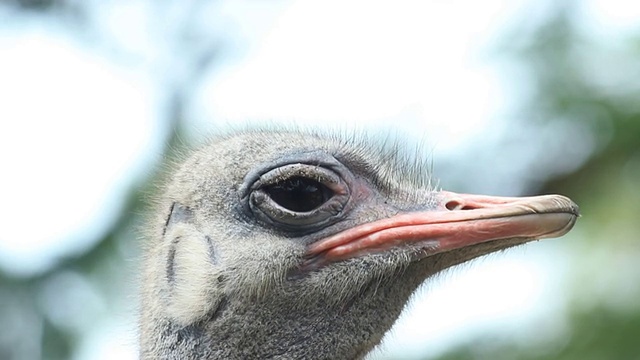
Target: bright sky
x,y
76,128
75,131
369,64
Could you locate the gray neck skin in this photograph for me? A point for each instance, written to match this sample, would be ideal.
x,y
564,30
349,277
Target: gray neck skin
x,y
263,330
281,327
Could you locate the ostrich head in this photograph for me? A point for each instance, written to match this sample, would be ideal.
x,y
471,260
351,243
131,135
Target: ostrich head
x,y
285,244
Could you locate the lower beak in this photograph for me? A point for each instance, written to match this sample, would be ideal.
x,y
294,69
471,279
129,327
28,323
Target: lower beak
x,y
460,220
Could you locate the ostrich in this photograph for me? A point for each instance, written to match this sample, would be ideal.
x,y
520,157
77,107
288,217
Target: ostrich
x,y
273,244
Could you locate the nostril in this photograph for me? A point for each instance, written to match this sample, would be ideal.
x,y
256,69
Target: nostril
x,y
456,204
453,205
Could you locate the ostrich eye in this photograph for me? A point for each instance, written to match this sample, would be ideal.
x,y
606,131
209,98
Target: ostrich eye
x,y
299,194
298,197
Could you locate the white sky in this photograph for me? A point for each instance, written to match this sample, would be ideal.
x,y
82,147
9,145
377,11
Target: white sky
x,y
77,128
369,64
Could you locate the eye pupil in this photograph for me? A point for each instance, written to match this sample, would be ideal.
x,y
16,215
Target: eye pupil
x,y
299,194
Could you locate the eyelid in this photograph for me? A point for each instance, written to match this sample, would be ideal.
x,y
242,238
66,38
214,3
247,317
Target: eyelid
x,y
317,173
315,158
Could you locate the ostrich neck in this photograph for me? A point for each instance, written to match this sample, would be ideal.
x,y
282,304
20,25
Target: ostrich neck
x,y
283,327
293,323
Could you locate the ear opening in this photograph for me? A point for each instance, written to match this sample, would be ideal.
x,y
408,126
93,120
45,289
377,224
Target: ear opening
x,y
191,282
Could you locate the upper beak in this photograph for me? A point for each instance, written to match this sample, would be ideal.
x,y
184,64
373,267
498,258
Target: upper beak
x,y
460,220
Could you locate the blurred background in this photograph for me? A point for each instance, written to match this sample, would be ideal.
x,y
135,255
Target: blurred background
x,y
510,98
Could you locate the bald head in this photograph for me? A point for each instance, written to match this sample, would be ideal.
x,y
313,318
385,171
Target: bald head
x,y
282,243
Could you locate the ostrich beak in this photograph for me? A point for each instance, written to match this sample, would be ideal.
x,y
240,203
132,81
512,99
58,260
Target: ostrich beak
x,y
459,220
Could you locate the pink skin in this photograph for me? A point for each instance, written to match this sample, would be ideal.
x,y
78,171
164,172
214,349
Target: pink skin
x,y
460,220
